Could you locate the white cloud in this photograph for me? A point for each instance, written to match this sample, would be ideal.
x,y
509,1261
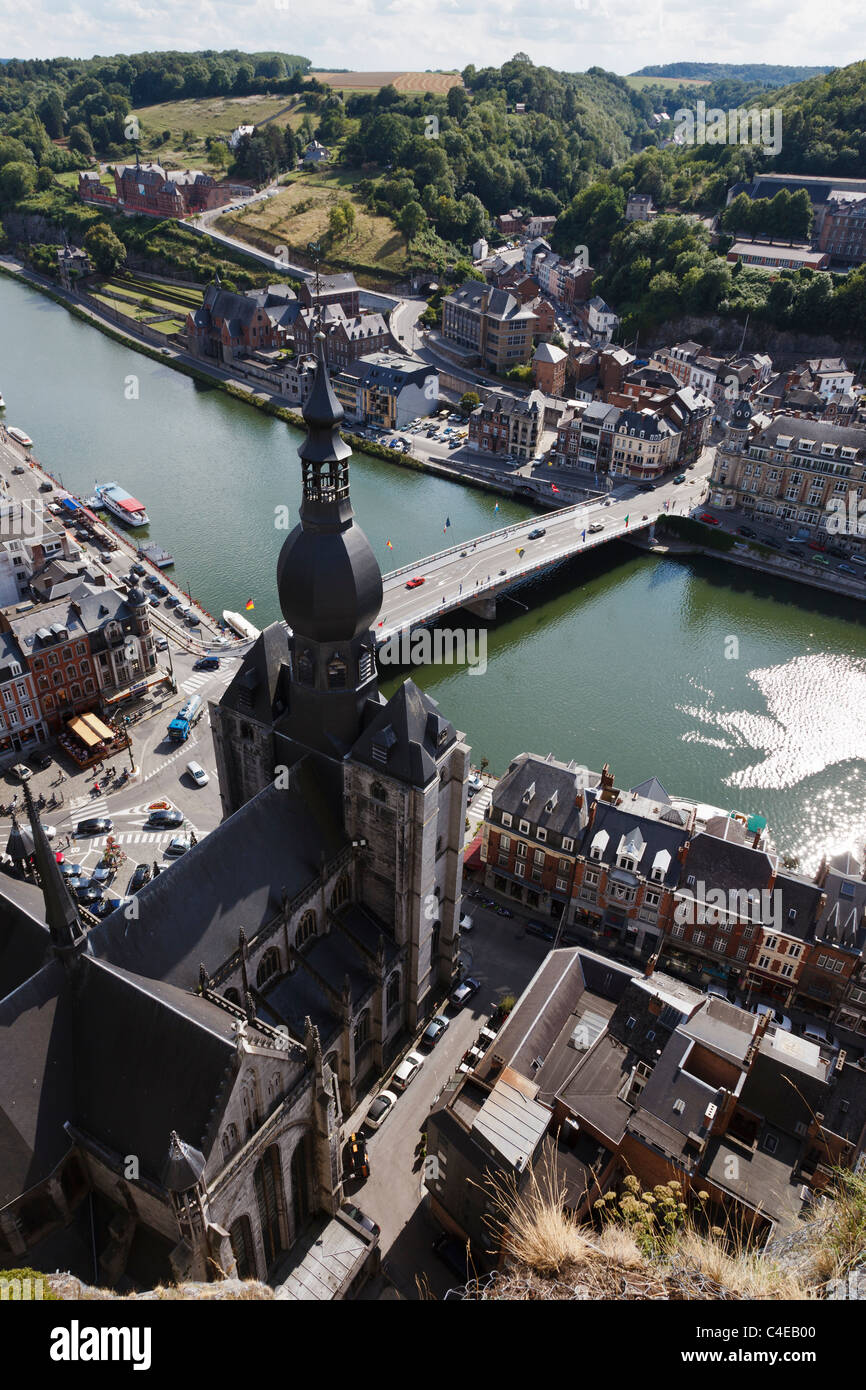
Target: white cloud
x,y
397,34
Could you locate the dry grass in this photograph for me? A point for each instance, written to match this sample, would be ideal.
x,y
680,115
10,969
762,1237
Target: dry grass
x,y
841,1245
438,82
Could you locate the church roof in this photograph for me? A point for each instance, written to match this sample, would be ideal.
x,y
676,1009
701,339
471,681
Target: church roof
x,y
406,737
256,689
233,878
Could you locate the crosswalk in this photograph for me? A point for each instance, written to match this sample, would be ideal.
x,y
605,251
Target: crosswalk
x,y
195,681
145,837
96,806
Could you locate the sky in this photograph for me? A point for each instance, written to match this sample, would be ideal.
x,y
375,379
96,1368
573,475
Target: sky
x,y
394,35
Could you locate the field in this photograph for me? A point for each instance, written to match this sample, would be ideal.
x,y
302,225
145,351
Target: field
x,y
298,214
668,84
437,82
199,117
135,289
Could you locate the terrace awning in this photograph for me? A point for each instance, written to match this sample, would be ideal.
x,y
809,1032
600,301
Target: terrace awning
x,y
102,731
81,730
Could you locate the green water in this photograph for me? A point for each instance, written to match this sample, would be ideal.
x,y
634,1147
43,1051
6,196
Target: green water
x,y
736,690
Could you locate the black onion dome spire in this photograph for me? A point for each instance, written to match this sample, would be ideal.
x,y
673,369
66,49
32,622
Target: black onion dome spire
x,y
328,580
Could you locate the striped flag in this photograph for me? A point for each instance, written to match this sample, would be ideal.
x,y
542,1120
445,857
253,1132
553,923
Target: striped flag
x,y
554,488
447,524
388,545
249,605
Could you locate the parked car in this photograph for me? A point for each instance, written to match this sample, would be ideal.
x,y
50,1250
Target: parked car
x,y
140,876
71,871
746,531
88,892
464,992
356,1161
647,487
165,817
434,1030
94,825
541,929
380,1109
358,1216
407,1070
503,911
46,487
161,644
536,534
103,873
475,782
846,569
22,772
206,663
774,545
179,845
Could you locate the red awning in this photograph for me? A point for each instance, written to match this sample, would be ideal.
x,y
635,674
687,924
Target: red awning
x,y
472,853
129,504
91,516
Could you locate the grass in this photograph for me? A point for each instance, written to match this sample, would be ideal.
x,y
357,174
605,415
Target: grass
x,y
298,214
437,82
203,116
668,84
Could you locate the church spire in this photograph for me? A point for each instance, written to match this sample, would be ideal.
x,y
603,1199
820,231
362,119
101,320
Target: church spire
x,y
61,914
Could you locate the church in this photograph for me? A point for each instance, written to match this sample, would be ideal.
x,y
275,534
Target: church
x,y
173,1081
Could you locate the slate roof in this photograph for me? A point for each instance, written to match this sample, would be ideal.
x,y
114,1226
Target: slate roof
x,y
842,921
193,912
550,779
412,731
621,821
259,687
24,945
725,864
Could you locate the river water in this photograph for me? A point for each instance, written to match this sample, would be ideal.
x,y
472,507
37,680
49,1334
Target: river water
x,y
732,688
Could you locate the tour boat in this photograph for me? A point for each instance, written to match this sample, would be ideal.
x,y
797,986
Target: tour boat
x,y
121,504
20,437
239,624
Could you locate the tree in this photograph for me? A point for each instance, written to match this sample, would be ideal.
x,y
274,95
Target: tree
x,y
50,113
104,248
17,180
411,221
458,102
80,140
44,178
470,399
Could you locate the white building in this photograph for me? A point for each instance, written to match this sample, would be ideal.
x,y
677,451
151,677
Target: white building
x,y
240,133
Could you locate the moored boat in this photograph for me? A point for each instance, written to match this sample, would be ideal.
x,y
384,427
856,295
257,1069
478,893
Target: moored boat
x,y
239,624
20,437
121,504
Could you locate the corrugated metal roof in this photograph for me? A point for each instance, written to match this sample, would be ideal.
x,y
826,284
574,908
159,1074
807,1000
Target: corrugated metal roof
x,y
512,1122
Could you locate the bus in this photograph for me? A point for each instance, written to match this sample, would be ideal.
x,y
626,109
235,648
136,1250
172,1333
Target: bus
x,y
179,728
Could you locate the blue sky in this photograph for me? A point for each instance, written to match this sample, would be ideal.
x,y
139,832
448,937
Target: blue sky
x,y
392,35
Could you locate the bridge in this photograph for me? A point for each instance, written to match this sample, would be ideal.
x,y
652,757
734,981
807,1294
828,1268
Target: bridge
x,y
473,575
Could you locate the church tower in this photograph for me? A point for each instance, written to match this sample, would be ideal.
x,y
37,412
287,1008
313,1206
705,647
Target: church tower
x,y
330,588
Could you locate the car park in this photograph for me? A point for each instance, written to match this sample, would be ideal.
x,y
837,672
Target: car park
x,y
464,992
179,845
380,1109
541,929
88,892
153,601
434,1030
94,825
140,876
407,1070
198,774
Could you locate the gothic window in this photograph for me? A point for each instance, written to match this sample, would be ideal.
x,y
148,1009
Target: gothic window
x,y
340,894
378,793
269,966
241,1237
299,1185
230,1140
362,1032
306,928
337,673
248,1107
393,996
270,1195
305,668
232,996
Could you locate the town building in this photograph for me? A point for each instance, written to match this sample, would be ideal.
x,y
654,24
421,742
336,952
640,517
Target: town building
x,y
838,209
229,326
790,469
718,378
548,368
508,425
492,324
639,207
73,264
153,191
314,155
240,132
346,339
602,438
598,321
31,539
284,958
525,224
387,389
779,255
324,290
21,720
600,1073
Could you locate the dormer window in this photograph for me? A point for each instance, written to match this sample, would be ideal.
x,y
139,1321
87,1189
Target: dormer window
x,y
658,875
551,804
524,827
595,852
567,844
529,794
542,834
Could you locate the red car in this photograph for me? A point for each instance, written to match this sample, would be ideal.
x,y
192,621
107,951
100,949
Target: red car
x,y
817,545
710,520
414,583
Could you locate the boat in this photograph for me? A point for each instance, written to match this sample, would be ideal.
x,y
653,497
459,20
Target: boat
x,y
20,437
121,504
156,555
239,624
2,402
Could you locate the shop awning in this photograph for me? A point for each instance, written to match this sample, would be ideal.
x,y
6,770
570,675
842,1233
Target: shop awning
x,y
81,730
102,731
472,853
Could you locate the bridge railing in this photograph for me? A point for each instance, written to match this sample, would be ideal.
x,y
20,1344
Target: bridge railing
x,y
502,531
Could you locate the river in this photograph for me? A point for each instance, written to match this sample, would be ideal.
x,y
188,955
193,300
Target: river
x,y
732,688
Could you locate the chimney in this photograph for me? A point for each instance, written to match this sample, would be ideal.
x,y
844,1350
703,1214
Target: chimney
x,y
651,965
756,840
606,783
821,875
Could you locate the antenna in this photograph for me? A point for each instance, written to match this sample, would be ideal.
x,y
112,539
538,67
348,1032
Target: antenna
x,y
315,250
745,326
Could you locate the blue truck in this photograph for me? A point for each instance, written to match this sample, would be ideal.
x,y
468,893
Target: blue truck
x,y
178,729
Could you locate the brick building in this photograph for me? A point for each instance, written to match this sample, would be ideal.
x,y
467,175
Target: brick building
x,y
506,424
492,323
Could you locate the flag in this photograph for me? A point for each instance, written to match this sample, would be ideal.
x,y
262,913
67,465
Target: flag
x,y
626,521
447,524
496,508
389,545
583,537
249,604
554,488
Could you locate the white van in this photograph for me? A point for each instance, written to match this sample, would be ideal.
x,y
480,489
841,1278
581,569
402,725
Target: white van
x,y
858,560
466,924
